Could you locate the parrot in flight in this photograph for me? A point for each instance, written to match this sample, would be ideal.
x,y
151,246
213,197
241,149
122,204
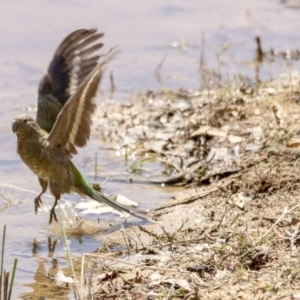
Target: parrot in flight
x,y
63,122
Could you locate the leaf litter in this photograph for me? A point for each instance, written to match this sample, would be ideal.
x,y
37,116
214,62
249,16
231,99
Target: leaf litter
x,y
234,232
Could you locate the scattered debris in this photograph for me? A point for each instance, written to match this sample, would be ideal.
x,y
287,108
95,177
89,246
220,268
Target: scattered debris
x,y
236,231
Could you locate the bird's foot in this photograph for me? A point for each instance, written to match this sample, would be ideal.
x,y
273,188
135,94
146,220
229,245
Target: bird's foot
x,y
52,215
37,203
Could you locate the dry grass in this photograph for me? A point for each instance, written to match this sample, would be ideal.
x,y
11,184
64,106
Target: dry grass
x,y
236,233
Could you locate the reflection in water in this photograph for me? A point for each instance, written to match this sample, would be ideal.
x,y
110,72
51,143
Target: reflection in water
x,y
51,246
44,285
144,31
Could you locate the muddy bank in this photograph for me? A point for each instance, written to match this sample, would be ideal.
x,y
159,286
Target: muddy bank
x,y
234,232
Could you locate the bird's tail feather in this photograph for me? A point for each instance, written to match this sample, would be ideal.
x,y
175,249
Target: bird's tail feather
x,y
105,200
86,189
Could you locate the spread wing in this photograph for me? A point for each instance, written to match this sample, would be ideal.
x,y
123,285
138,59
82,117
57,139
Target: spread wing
x,y
73,61
73,125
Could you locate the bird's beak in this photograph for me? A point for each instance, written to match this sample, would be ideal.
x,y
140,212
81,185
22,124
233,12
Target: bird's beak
x,y
14,126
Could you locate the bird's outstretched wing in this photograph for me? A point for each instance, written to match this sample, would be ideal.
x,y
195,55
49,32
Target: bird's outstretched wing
x,y
73,125
73,61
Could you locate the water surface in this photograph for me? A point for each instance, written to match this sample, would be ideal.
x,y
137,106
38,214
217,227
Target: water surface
x,y
31,30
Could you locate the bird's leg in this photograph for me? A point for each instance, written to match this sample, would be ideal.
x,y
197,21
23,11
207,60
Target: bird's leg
x,y
52,211
38,200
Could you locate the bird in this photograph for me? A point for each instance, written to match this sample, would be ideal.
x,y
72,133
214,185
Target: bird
x,y
63,122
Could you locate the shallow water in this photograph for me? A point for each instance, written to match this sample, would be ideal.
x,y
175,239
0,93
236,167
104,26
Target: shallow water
x,y
31,30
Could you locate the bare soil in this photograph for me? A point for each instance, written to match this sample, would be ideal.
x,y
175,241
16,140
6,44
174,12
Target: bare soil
x,y
234,232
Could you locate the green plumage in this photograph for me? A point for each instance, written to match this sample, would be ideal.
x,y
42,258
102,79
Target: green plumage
x,y
65,108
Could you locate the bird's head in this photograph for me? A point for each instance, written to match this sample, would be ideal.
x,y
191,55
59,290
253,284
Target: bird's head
x,y
23,125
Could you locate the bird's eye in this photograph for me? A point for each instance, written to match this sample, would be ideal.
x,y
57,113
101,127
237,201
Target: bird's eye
x,y
25,121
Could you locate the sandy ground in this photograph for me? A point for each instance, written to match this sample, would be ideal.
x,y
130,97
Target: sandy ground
x,y
234,231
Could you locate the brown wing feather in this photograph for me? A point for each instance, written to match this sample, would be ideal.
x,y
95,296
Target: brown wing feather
x,y
73,61
65,72
73,125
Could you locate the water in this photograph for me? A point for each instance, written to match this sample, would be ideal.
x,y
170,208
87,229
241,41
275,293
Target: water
x,y
30,32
